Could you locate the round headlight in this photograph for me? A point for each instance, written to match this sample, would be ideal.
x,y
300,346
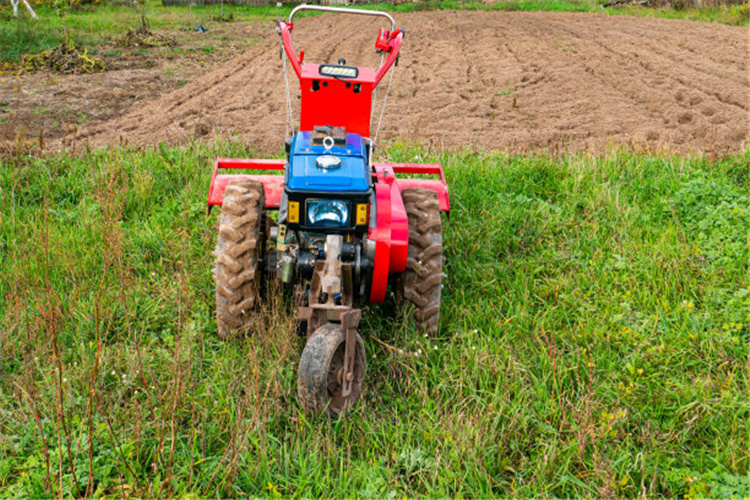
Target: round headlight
x,y
327,213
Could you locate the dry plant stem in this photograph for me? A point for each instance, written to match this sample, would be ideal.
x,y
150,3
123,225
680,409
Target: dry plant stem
x,y
92,382
48,479
583,418
387,346
177,371
147,391
256,389
244,435
191,445
51,315
219,467
155,464
260,404
122,455
59,455
234,452
113,256
30,369
233,437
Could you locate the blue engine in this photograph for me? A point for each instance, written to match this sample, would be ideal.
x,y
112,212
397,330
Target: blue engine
x,y
328,183
340,170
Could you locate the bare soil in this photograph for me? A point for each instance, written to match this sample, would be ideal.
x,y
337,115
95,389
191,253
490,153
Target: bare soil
x,y
57,106
509,81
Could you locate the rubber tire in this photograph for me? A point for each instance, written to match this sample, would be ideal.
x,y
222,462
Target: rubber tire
x,y
422,280
237,270
314,364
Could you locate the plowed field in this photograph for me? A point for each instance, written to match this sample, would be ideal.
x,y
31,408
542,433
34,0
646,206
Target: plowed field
x,y
509,81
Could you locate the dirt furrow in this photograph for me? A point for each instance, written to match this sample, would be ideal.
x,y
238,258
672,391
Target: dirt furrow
x,y
509,81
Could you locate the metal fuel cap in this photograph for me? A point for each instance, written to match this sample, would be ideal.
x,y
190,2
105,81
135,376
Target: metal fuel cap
x,y
328,162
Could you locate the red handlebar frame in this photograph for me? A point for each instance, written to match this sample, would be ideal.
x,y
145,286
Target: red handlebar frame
x,y
284,30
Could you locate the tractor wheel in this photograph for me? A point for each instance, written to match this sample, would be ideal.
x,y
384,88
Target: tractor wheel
x,y
422,281
238,254
321,369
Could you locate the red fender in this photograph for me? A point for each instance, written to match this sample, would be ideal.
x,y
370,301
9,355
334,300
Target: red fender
x,y
391,232
381,235
399,230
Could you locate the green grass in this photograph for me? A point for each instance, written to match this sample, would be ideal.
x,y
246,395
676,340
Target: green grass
x,y
94,27
725,14
593,340
25,37
506,5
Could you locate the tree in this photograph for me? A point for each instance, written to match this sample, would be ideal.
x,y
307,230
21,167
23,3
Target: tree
x,y
15,4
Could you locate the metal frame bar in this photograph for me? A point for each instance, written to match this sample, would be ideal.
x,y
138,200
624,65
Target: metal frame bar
x,y
243,164
341,10
416,168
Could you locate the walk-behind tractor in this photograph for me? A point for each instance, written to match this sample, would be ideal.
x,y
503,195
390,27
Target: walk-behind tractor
x,y
347,227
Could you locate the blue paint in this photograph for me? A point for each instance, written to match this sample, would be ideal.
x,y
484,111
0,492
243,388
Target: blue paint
x,y
304,174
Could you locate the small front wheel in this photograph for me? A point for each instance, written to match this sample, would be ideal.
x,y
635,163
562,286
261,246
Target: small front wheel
x,y
321,372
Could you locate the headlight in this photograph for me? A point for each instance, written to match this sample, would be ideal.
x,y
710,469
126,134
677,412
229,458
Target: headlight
x,y
327,213
338,71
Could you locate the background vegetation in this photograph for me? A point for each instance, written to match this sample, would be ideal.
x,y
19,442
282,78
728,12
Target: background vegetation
x,y
593,343
96,24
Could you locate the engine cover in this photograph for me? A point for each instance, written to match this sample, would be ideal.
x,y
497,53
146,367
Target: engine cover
x,y
337,170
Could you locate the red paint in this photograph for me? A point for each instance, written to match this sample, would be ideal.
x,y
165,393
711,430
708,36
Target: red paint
x,y
381,235
335,104
399,231
439,186
391,234
284,31
273,185
395,47
341,102
382,42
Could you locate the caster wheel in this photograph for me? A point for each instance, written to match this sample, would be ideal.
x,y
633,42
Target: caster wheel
x,y
321,369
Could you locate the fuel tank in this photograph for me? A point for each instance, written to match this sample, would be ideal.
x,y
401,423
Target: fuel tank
x,y
335,168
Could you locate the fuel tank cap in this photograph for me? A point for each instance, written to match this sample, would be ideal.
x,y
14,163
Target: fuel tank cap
x,y
328,162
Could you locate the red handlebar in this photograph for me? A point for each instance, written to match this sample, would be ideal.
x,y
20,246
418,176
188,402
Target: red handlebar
x,y
394,46
284,29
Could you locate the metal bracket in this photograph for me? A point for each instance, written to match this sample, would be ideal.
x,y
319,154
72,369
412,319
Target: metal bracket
x,y
331,278
350,321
